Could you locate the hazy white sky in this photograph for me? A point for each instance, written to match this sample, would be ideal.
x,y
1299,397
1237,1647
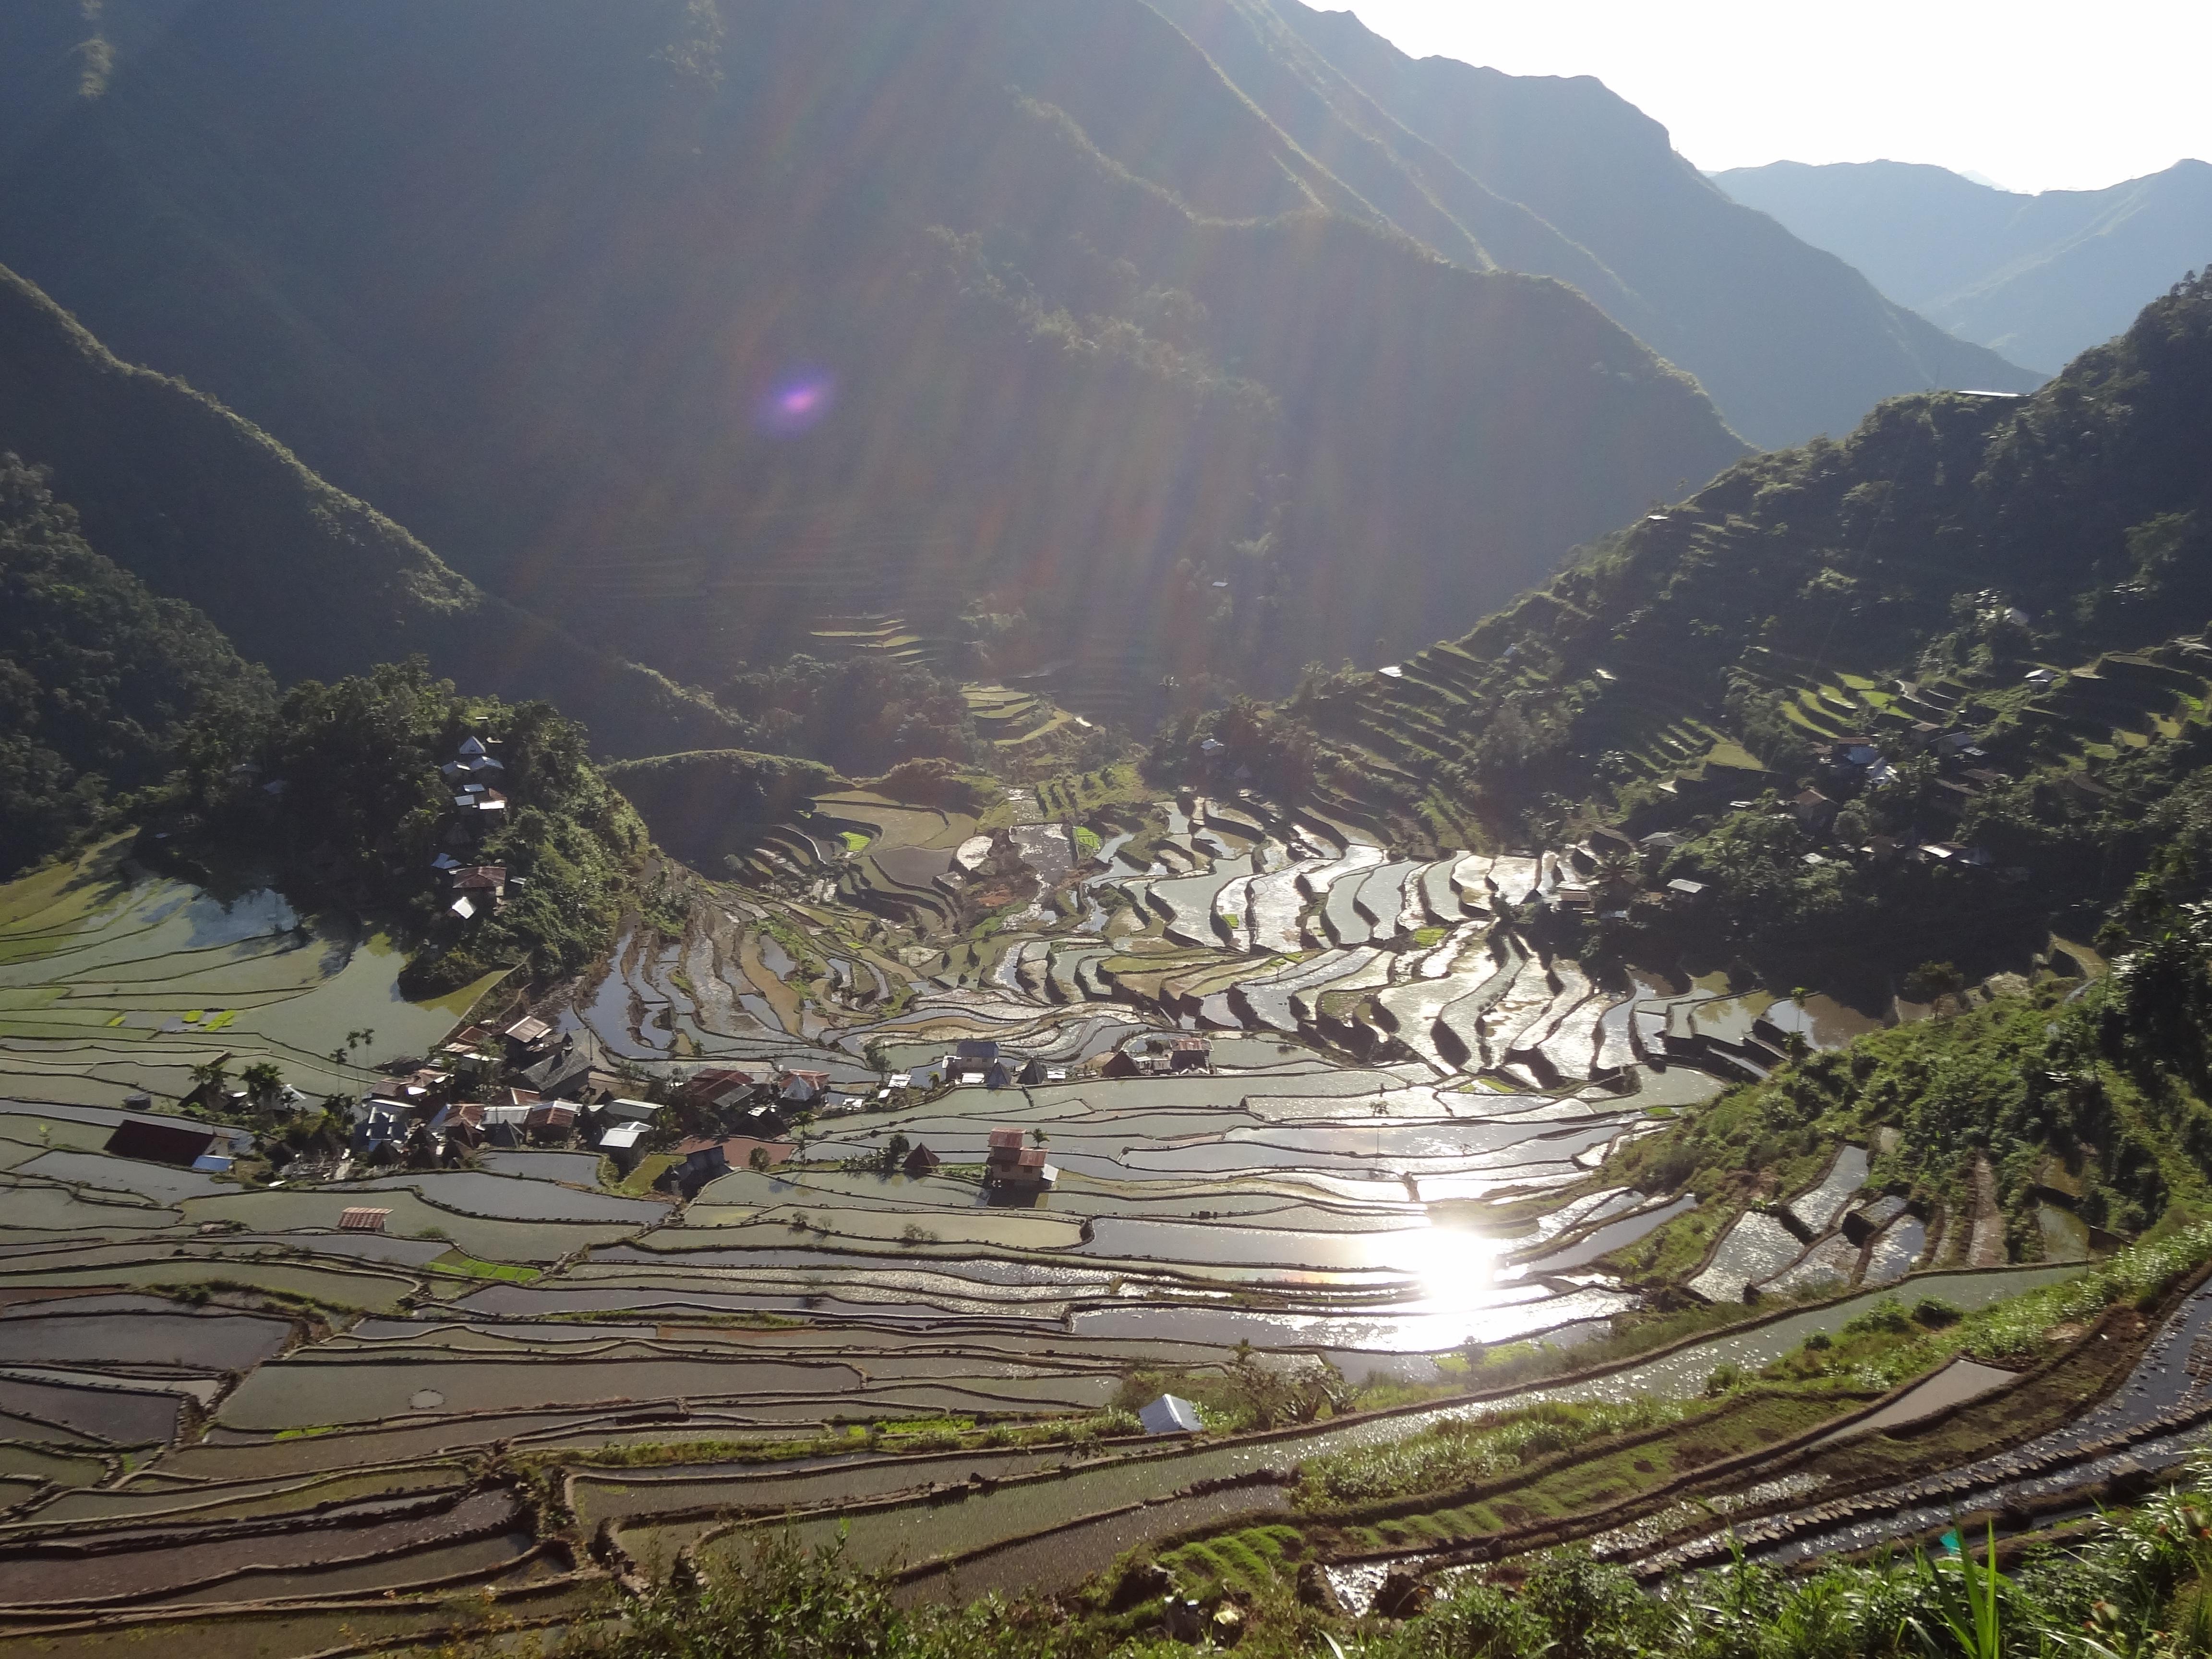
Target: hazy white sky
x,y
2033,94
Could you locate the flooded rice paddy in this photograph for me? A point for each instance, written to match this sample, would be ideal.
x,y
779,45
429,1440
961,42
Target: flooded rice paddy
x,y
1389,1157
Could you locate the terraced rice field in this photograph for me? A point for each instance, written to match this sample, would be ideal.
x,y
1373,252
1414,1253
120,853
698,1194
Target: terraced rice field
x,y
216,1400
114,982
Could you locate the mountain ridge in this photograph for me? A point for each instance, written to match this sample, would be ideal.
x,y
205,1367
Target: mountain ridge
x,y
1788,341
202,504
1999,574
2041,276
1113,357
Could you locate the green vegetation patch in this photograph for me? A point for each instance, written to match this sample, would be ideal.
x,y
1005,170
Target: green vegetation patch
x,y
2024,1080
1461,1451
1247,1561
460,1263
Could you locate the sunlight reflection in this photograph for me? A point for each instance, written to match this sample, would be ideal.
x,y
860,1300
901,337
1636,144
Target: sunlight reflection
x,y
1453,1267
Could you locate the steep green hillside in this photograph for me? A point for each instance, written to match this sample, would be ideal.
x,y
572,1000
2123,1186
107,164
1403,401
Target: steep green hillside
x,y
1563,177
2036,277
687,326
201,505
2024,577
98,678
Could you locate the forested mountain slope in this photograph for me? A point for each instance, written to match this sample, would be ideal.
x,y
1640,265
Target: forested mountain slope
x,y
699,322
98,678
2036,277
1564,177
1972,624
203,506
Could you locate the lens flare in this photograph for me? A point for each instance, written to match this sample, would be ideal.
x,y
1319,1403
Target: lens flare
x,y
799,401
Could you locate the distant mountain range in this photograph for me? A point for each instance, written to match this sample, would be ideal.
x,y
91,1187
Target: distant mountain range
x,y
1201,338
2040,278
1562,176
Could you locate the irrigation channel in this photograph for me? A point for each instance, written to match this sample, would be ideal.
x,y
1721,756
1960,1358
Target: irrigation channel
x,y
1309,1107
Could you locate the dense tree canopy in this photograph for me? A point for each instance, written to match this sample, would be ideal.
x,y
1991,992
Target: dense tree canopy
x,y
862,716
98,675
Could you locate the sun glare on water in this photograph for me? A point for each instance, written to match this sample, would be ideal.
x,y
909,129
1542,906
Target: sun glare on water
x,y
1453,1267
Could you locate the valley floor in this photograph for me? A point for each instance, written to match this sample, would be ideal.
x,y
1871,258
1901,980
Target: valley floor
x,y
1365,1223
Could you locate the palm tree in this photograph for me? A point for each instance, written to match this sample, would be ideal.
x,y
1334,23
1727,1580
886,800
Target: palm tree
x,y
262,1080
208,1078
1618,875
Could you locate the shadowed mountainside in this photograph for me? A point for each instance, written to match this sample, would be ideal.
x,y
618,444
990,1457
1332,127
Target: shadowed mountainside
x,y
697,324
98,676
202,505
2036,277
706,807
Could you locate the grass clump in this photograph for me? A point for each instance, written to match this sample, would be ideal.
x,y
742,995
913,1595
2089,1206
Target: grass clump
x,y
1463,1451
1245,1562
2022,1325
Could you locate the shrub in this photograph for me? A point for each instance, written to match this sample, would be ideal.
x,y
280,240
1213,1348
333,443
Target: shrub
x,y
1935,1313
1886,1317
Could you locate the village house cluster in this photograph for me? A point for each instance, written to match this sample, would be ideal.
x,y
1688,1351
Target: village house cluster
x,y
527,1084
522,1086
750,1110
514,1087
1853,764
977,1063
479,809
1920,721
